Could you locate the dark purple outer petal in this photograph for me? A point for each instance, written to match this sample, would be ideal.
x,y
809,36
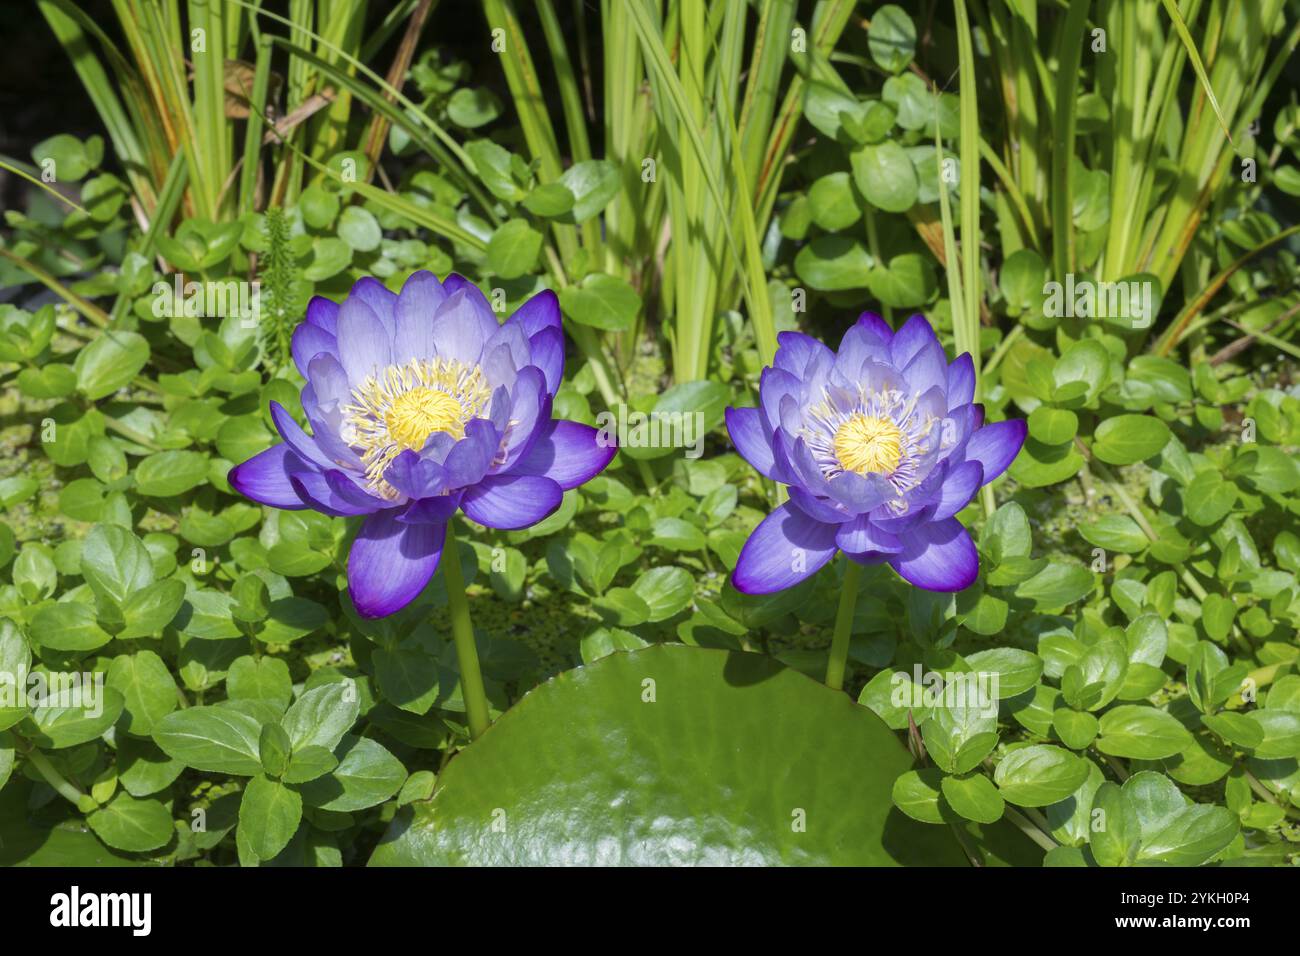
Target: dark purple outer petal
x,y
511,502
265,478
961,381
547,347
958,488
995,446
569,453
745,426
785,548
938,556
391,562
541,311
324,313
332,494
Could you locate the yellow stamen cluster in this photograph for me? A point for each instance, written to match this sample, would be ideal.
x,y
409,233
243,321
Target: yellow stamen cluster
x,y
401,406
868,445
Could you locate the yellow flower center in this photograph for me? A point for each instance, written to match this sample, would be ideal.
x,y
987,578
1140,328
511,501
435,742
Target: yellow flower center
x,y
417,414
399,407
864,444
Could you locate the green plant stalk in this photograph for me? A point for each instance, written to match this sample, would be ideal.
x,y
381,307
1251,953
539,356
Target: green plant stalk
x,y
1028,829
87,308
70,24
462,631
55,779
253,129
1067,79
966,327
843,632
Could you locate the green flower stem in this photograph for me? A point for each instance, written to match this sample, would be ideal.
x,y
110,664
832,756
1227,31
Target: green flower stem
x,y
462,630
54,778
843,624
1028,829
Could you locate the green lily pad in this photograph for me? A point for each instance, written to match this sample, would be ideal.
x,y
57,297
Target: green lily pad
x,y
673,755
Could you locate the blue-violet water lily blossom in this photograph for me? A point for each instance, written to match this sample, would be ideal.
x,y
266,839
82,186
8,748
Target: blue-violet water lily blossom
x,y
421,404
880,445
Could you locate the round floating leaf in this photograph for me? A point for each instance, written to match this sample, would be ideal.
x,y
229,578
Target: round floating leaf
x,y
1136,730
594,183
513,249
360,229
366,775
170,473
892,38
269,814
471,107
126,823
1126,439
110,362
974,797
214,739
834,263
1037,775
603,302
885,175
832,202
673,755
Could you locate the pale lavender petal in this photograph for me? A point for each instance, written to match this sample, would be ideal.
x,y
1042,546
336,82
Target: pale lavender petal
x,y
363,341
308,342
938,556
529,402
928,369
914,335
421,296
457,331
821,509
877,327
785,548
863,342
326,426
416,477
774,385
795,351
860,493
381,300
329,381
482,308
511,502
861,535
391,562
504,354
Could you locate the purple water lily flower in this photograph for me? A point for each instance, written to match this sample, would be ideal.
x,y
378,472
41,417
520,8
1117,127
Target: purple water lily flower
x,y
881,446
421,404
